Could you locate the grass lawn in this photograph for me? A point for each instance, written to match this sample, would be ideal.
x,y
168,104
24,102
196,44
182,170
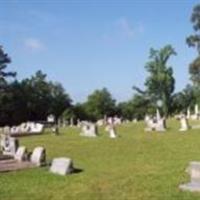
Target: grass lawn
x,y
136,166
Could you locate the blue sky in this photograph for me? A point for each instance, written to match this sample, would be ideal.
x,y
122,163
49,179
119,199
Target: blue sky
x,y
87,45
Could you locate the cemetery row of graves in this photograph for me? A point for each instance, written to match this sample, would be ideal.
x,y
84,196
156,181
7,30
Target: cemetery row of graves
x,y
18,159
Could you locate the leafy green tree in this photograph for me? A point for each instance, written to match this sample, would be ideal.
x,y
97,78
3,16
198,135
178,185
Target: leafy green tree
x,y
194,41
60,100
99,104
160,82
183,100
5,95
4,61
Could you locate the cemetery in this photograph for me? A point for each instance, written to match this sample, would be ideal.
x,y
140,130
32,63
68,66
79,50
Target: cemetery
x,y
137,140
136,160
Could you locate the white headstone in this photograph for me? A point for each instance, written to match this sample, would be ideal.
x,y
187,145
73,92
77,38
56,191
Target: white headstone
x,y
9,145
38,156
184,123
160,125
21,154
51,118
62,166
188,113
194,172
112,133
158,117
89,130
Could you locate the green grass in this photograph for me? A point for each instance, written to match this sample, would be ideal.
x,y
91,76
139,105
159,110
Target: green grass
x,y
136,166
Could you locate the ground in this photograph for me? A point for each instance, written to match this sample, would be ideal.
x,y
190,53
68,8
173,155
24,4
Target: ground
x,y
136,166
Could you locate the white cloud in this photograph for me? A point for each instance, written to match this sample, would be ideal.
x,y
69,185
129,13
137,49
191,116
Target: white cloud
x,y
125,27
34,44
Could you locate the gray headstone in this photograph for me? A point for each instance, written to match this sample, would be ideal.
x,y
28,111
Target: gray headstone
x,y
62,166
38,156
194,172
89,130
9,145
21,154
184,123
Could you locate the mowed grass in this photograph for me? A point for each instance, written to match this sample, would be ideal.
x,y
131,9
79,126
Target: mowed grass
x,y
136,166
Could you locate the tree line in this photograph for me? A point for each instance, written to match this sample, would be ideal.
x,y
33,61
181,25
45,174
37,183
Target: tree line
x,y
34,98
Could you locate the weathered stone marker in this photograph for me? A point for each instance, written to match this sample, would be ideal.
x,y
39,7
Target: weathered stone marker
x,y
89,130
21,154
184,123
38,156
194,172
9,145
62,166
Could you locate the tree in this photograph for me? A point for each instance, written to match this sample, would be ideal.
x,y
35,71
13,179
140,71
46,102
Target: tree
x,y
4,60
183,100
99,104
194,41
60,100
160,82
5,95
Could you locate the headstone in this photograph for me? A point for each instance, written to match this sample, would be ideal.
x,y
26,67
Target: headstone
x,y
196,109
89,130
51,118
194,172
152,124
71,122
100,122
112,132
55,129
184,123
188,113
62,166
38,156
21,154
9,145
117,120
158,117
135,120
160,125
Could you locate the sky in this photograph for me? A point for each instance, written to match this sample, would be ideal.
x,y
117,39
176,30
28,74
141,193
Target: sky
x,y
91,44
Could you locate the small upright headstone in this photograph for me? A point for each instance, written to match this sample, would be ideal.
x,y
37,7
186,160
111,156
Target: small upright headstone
x,y
160,125
38,156
184,123
89,130
51,118
21,154
158,117
112,132
196,110
71,122
55,129
188,113
9,145
62,166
